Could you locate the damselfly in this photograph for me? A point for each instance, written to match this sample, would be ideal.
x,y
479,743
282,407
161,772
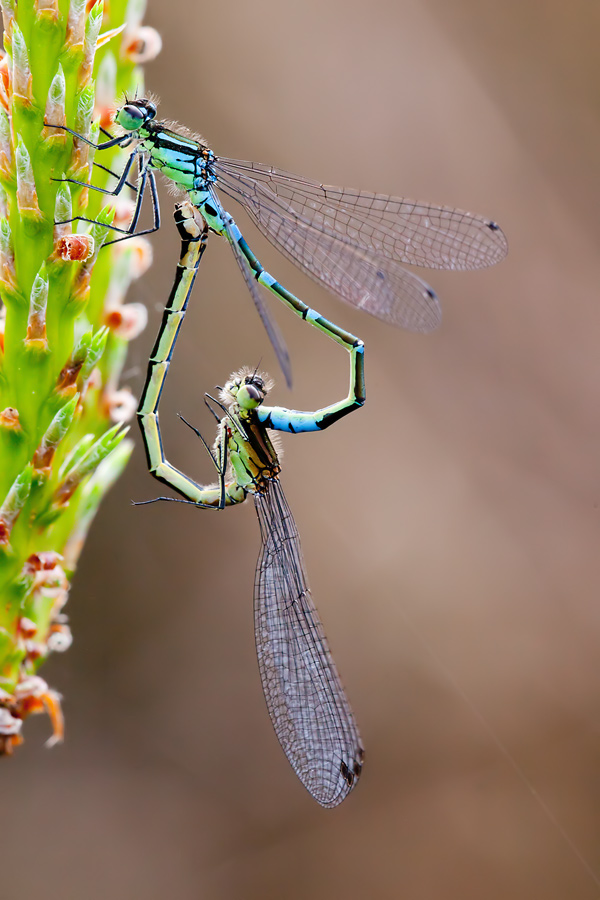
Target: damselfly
x,y
305,698
352,242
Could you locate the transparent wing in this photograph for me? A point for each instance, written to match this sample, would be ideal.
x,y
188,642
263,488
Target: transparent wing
x,y
408,231
376,285
305,698
273,332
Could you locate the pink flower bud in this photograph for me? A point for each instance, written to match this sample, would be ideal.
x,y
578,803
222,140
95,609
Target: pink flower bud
x,y
142,45
75,247
121,405
128,320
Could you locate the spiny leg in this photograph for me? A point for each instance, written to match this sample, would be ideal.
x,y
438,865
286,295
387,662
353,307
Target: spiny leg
x,y
105,168
98,165
106,133
111,193
231,416
198,434
145,176
131,232
209,407
220,464
119,141
167,500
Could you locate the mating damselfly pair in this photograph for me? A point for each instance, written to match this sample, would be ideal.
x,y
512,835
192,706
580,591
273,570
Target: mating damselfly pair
x,y
353,243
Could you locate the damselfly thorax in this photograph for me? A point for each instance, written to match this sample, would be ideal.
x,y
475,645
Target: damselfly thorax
x,y
185,161
252,455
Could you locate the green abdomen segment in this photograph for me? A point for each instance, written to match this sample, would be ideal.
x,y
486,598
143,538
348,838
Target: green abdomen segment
x,y
193,245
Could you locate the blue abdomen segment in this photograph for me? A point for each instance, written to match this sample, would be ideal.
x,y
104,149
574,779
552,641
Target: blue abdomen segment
x,y
280,419
292,420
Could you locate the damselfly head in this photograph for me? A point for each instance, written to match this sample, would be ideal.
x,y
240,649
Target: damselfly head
x,y
248,388
135,113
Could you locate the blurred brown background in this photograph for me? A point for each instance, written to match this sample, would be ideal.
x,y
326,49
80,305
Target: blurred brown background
x,y
450,528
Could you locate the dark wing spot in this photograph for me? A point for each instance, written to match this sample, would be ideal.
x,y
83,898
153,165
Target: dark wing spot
x,y
381,275
347,775
493,226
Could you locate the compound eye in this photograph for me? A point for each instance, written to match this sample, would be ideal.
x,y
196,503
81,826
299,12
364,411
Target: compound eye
x,y
150,110
134,112
130,117
254,393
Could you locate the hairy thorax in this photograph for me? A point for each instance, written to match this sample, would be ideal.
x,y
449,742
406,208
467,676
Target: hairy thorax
x,y
184,160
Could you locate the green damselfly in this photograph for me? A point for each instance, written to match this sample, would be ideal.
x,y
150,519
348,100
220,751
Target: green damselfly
x,y
352,242
305,698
